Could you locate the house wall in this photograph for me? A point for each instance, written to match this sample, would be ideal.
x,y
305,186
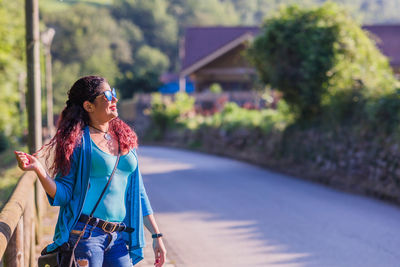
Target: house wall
x,y
232,71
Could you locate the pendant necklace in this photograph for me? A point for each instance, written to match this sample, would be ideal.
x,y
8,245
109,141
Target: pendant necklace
x,y
106,135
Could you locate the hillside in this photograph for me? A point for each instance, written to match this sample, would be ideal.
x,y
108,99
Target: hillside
x,y
56,5
252,12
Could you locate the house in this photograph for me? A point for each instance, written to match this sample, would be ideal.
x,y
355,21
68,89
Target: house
x,y
215,55
388,41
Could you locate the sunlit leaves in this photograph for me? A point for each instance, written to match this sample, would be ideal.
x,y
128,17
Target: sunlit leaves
x,y
314,55
12,50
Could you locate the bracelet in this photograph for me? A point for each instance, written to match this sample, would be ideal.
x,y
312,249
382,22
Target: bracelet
x,y
157,235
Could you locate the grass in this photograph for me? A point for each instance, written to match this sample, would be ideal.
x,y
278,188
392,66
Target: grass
x,y
9,174
8,180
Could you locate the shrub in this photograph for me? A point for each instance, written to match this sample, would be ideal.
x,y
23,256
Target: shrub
x,y
164,111
384,112
215,88
233,117
315,55
167,113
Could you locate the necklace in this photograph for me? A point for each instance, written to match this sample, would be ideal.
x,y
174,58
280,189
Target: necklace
x,y
106,135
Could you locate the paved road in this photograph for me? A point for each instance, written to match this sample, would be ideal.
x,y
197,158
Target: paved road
x,y
220,212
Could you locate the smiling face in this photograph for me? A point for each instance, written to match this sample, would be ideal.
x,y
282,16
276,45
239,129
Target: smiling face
x,y
101,110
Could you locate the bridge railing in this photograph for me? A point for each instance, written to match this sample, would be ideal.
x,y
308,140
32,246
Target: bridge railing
x,y
19,225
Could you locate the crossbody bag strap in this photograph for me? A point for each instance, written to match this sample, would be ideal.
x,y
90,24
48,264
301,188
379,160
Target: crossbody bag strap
x,y
95,206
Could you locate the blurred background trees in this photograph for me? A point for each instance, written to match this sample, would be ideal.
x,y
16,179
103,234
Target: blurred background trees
x,y
131,42
88,40
12,70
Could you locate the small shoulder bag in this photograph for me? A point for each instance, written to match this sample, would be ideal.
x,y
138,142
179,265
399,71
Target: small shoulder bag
x,y
65,254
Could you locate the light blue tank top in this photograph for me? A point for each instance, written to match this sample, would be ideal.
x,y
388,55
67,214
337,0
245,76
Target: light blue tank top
x,y
112,206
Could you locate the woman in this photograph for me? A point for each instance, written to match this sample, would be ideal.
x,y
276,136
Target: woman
x,y
88,139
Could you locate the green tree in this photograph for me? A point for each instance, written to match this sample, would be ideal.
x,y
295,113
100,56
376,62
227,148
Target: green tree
x,y
131,39
150,58
12,63
145,82
154,34
203,13
159,28
318,55
87,42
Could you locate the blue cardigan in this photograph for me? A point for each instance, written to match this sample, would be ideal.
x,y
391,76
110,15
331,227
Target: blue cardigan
x,y
71,193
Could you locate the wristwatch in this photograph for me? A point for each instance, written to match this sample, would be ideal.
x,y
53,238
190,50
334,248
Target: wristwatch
x,y
157,235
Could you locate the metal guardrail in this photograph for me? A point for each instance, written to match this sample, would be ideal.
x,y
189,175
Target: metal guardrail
x,y
18,225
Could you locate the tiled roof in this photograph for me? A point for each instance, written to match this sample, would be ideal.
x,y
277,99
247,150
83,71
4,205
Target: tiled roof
x,y
202,41
389,41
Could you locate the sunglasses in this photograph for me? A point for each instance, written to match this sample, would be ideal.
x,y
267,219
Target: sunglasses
x,y
110,94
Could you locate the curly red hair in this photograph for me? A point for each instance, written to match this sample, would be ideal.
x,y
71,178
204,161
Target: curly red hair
x,y
74,118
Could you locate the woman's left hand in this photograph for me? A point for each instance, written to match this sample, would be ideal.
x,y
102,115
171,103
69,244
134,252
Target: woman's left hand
x,y
160,253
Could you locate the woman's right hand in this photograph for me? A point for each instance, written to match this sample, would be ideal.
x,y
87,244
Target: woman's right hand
x,y
30,163
26,161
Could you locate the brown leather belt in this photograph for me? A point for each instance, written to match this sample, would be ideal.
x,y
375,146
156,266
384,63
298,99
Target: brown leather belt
x,y
106,226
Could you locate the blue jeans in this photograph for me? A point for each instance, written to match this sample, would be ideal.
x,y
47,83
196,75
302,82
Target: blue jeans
x,y
99,249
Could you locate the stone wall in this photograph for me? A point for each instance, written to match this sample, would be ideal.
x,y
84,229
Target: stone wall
x,y
354,163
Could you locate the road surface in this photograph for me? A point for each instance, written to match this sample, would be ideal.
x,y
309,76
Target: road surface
x,y
216,211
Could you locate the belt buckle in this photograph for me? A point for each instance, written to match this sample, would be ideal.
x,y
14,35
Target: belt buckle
x,y
114,226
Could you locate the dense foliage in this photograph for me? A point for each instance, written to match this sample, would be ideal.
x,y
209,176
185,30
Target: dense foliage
x,y
320,57
139,39
180,113
12,66
131,42
165,111
234,117
94,43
